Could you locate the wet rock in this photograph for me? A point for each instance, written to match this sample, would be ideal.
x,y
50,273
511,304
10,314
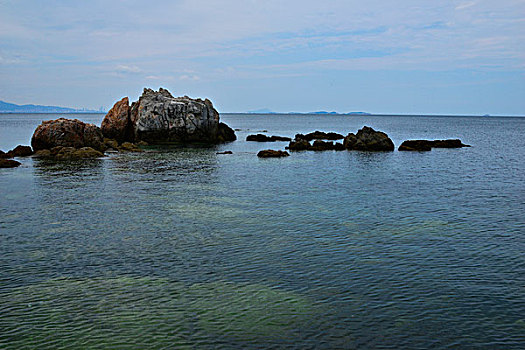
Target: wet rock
x,y
117,123
367,139
8,163
110,143
320,135
265,138
61,153
427,145
225,133
299,145
142,143
225,152
268,153
67,133
415,145
20,151
129,147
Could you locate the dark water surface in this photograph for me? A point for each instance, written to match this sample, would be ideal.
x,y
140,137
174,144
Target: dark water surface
x,y
183,248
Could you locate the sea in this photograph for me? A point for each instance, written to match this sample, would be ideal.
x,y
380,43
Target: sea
x,y
183,248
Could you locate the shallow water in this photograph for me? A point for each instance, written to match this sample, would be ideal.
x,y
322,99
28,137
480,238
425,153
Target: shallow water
x,y
184,248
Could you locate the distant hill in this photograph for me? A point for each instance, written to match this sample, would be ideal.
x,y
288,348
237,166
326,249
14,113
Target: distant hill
x,y
267,111
13,108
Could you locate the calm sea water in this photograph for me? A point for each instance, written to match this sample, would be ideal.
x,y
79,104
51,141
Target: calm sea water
x,y
183,248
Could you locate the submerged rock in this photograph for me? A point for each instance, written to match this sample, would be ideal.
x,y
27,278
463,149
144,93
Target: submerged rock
x,y
265,138
367,139
269,153
427,145
225,152
20,151
8,163
68,153
67,133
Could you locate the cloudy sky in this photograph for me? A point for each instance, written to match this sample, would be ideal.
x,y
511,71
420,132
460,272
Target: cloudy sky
x,y
404,56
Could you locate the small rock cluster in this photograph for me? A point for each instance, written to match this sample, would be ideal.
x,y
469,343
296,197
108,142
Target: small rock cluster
x,y
18,151
427,145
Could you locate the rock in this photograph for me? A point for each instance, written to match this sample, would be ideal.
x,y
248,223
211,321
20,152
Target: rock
x,y
8,163
415,145
225,134
129,147
264,138
320,135
158,117
68,153
225,152
20,151
427,145
367,139
299,145
110,143
3,154
142,143
117,123
268,153
451,143
67,133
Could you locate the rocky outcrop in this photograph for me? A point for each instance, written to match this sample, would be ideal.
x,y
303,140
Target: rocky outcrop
x,y
158,117
3,155
68,153
320,135
268,153
299,145
264,138
67,133
367,139
427,145
320,145
8,163
117,123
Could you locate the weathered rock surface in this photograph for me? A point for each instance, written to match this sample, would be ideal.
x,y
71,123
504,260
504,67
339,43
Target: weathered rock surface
x,y
265,138
427,145
268,153
117,123
19,151
8,163
67,133
367,139
68,153
320,135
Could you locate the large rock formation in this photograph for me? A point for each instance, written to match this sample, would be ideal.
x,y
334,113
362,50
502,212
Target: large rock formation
x,y
367,139
67,133
158,117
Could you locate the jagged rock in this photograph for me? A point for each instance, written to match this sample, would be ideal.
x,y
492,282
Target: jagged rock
x,y
3,154
367,139
320,135
264,138
225,133
8,163
117,123
20,151
299,145
268,153
427,145
68,153
67,133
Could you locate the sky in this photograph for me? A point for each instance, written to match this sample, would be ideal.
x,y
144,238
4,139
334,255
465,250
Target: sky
x,y
406,56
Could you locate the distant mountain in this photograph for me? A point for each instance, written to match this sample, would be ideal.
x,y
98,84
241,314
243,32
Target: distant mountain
x,y
267,111
13,108
261,111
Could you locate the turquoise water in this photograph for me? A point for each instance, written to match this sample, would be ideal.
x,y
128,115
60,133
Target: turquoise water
x,y
184,248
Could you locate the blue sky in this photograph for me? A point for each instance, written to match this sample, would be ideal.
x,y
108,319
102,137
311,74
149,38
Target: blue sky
x,y
405,56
